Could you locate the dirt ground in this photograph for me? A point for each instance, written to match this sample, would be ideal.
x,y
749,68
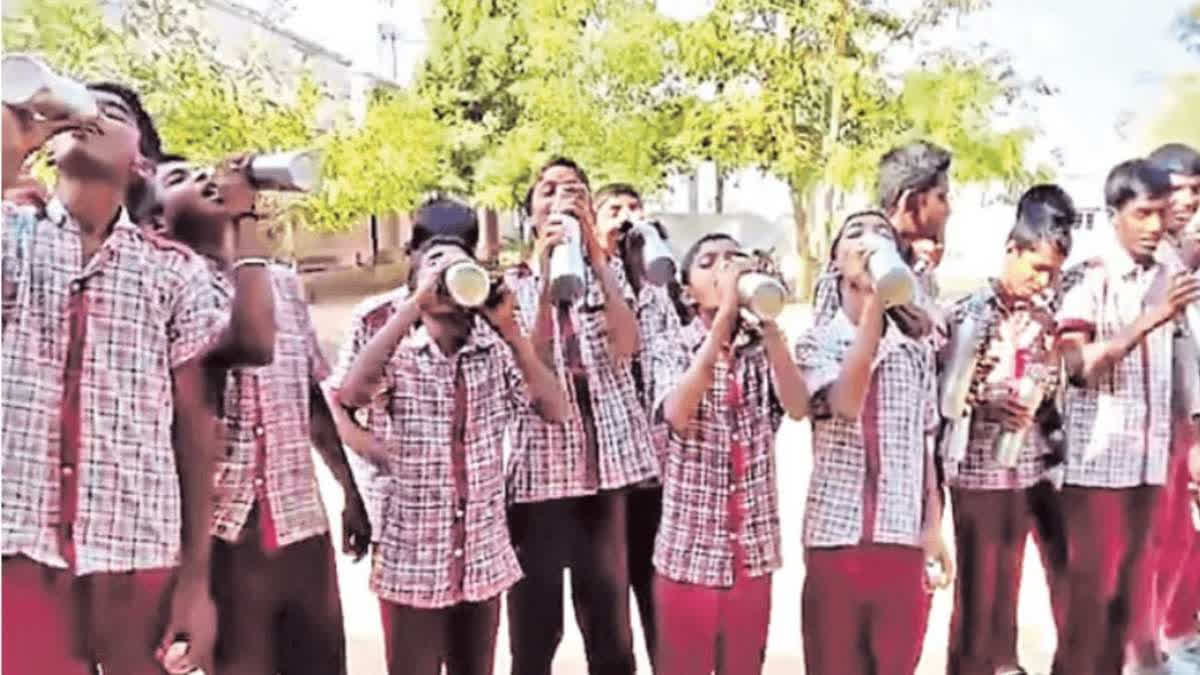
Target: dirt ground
x,y
785,651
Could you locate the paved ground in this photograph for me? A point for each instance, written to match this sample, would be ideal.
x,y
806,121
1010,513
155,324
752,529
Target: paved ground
x,y
785,652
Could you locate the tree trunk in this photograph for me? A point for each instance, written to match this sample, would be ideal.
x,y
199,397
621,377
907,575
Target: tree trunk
x,y
489,239
808,265
719,197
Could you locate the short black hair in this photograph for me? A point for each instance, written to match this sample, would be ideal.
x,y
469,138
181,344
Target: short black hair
x,y
1177,158
150,143
1051,195
689,257
557,160
169,157
418,255
1042,222
1132,179
615,190
442,216
914,167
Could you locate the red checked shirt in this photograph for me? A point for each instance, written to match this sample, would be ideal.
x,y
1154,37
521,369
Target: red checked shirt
x,y
605,444
1017,328
367,318
1119,430
444,536
868,476
267,460
720,516
89,469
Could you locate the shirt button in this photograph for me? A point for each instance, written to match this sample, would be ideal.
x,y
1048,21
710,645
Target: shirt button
x,y
76,286
733,536
737,438
258,482
68,471
458,513
458,553
732,489
259,431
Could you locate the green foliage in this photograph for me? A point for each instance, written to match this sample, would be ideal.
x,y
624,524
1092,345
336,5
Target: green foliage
x,y
1176,120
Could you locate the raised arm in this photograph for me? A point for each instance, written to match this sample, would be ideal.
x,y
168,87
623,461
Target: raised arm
x,y
546,392
789,382
849,391
366,373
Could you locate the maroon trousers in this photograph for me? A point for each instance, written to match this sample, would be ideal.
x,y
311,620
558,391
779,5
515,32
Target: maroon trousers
x,y
59,624
991,528
278,612
703,629
461,637
587,535
1177,584
864,610
1108,545
642,516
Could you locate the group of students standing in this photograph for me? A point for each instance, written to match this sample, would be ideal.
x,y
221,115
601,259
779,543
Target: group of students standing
x,y
163,389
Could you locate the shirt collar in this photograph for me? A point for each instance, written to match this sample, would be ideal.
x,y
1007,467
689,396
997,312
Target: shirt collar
x,y
1120,263
58,214
481,337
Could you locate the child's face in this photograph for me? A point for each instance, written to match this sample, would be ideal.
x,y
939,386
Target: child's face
x,y
705,269
431,263
849,256
1141,224
1030,271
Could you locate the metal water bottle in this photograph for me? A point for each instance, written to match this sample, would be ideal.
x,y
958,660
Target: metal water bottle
x,y
894,280
467,283
296,171
567,267
762,295
1007,448
30,84
956,378
657,260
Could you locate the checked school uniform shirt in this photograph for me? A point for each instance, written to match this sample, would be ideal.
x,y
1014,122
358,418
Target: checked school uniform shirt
x,y
720,516
1019,327
868,476
605,444
267,459
444,536
90,480
1118,431
367,318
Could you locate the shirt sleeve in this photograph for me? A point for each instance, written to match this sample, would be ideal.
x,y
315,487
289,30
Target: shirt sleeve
x,y
1078,304
19,224
669,361
318,366
518,396
199,313
819,361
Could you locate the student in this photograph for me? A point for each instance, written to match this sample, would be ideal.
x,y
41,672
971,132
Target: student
x,y
1116,324
274,577
722,390
108,442
1176,599
618,206
914,188
996,505
873,516
569,482
436,217
452,388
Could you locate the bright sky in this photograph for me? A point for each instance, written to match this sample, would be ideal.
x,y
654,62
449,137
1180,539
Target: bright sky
x,y
1106,56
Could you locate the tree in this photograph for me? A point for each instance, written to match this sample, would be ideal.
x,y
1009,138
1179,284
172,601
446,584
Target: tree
x,y
802,92
518,81
210,102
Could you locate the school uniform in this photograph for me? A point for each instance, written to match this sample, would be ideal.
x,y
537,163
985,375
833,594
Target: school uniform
x,y
719,539
864,602
444,555
568,483
1118,449
92,512
996,506
366,319
658,321
274,575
